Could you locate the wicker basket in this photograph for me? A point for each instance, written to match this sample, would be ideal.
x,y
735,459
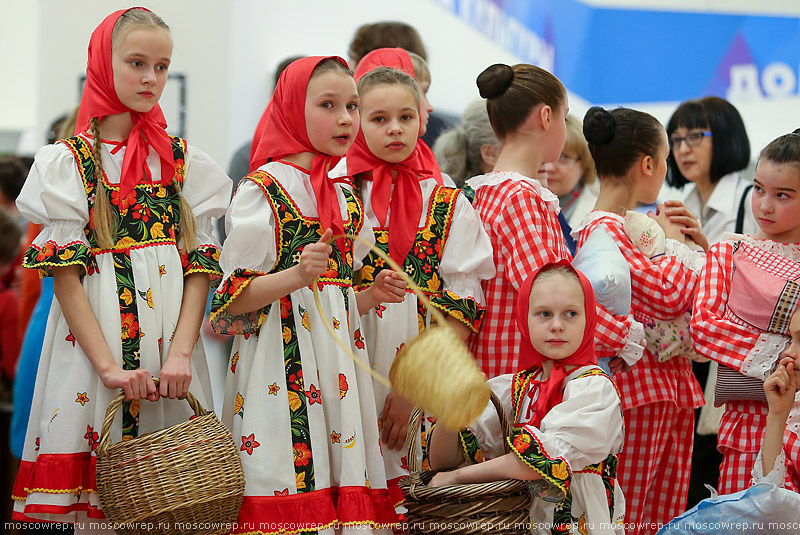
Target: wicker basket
x,y
184,479
497,507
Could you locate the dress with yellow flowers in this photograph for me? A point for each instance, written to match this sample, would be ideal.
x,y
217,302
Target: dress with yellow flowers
x,y
450,257
575,448
135,291
299,407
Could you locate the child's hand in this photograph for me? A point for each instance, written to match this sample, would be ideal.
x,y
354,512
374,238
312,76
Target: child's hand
x,y
137,384
781,388
680,215
314,259
176,374
396,413
442,479
617,364
389,287
672,230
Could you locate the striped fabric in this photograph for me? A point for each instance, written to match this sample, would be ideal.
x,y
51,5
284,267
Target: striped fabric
x,y
785,307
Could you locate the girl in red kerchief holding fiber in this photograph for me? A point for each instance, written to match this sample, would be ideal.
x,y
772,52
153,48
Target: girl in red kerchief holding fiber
x,y
302,409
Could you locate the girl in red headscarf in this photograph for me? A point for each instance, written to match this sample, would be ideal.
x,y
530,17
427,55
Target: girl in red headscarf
x,y
568,427
127,213
301,408
429,229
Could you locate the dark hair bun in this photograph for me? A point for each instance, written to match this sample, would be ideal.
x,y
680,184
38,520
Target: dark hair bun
x,y
599,126
494,81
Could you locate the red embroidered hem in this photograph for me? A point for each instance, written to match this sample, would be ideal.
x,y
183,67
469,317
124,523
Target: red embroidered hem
x,y
315,510
56,473
66,510
395,494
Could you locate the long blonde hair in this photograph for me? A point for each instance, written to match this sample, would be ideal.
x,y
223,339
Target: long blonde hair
x,y
105,223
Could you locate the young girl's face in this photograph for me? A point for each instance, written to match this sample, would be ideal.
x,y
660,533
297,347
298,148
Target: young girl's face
x,y
776,200
140,58
425,106
651,187
331,112
556,316
390,121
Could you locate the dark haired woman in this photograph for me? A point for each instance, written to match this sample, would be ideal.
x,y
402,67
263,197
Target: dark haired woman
x,y
708,149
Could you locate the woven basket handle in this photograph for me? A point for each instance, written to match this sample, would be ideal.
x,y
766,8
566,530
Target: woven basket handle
x,y
116,403
440,320
413,425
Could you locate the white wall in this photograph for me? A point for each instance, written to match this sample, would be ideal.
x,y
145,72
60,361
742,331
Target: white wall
x,y
18,107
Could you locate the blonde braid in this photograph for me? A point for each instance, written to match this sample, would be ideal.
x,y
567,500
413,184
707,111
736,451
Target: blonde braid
x,y
187,228
104,224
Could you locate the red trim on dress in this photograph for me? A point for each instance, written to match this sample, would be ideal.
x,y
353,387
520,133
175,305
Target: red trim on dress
x,y
315,510
56,473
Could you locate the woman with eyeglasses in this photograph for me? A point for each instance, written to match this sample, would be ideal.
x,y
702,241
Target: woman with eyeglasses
x,y
708,150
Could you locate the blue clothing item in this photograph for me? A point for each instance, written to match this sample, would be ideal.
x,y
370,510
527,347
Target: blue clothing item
x,y
28,367
572,245
604,362
600,259
760,510
645,208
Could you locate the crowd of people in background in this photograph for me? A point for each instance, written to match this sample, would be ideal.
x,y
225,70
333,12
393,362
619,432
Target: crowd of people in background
x,y
627,403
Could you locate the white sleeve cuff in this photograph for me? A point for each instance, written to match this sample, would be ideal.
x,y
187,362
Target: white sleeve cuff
x,y
776,476
693,260
634,344
761,359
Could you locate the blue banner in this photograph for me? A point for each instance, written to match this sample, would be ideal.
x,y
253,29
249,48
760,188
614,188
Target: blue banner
x,y
610,55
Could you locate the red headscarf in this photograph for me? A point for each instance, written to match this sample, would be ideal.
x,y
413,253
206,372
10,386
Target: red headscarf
x,y
100,100
406,201
398,58
282,131
551,391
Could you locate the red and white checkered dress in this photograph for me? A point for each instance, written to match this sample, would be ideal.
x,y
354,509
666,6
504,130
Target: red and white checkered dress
x,y
723,337
791,447
658,398
521,218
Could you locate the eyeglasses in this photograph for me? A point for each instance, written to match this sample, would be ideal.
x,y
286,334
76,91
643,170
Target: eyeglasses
x,y
565,160
692,140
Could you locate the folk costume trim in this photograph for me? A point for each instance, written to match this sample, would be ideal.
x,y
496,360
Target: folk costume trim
x,y
47,474
556,470
423,260
52,255
335,506
293,230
